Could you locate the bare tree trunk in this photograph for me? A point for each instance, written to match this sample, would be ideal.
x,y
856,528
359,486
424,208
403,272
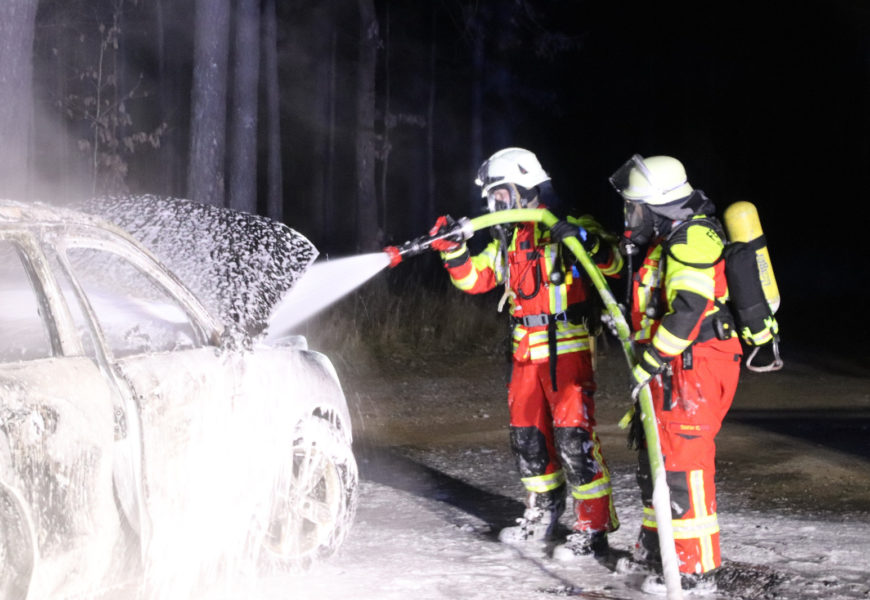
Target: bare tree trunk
x,y
329,179
274,173
205,176
171,156
17,25
477,79
243,126
323,144
388,125
368,235
430,124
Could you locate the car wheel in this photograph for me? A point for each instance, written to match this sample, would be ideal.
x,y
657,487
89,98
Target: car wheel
x,y
315,500
17,546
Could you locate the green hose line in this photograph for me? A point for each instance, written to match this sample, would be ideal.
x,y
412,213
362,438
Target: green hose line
x,y
661,494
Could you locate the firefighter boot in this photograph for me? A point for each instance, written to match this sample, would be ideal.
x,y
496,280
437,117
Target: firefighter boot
x,y
696,584
582,543
645,557
539,520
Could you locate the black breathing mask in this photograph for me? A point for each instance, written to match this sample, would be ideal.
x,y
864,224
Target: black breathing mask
x,y
639,224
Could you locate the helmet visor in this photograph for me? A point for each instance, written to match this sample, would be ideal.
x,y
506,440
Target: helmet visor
x,y
621,178
485,180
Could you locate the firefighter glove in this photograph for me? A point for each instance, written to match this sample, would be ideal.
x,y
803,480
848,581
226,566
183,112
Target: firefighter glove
x,y
563,229
448,234
649,364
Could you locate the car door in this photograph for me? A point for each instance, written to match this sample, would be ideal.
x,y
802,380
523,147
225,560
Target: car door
x,y
164,351
56,435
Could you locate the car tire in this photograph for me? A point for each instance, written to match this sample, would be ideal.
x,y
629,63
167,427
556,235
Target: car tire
x,y
17,546
315,500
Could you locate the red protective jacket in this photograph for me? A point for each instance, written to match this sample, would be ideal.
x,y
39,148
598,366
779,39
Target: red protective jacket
x,y
534,299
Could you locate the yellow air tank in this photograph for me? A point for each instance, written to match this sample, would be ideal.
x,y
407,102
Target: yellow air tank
x,y
743,225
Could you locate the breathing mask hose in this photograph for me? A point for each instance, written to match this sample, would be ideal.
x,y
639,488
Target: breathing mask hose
x,y
661,494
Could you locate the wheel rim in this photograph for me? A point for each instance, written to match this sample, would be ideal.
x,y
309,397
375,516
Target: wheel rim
x,y
308,504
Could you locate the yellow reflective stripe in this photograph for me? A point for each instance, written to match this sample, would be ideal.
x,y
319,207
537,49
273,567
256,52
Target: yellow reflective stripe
x,y
489,253
600,487
467,282
596,452
558,293
542,352
693,281
667,343
597,489
649,518
643,334
540,336
757,339
701,528
544,483
687,529
454,253
573,340
706,525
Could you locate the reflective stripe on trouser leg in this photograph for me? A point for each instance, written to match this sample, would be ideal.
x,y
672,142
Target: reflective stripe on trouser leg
x,y
530,448
588,479
696,528
544,483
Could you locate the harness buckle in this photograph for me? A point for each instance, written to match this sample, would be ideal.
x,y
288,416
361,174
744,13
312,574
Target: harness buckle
x,y
536,320
543,319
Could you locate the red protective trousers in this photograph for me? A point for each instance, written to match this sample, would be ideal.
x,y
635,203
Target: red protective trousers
x,y
688,424
552,432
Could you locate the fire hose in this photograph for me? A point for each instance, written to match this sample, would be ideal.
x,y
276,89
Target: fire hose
x,y
464,229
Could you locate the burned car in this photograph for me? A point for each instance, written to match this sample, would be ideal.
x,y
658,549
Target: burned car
x,y
147,433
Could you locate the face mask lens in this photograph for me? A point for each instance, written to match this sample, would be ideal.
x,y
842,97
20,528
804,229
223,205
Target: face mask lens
x,y
633,215
499,198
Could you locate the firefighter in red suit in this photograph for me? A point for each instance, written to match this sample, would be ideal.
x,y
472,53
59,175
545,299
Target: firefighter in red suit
x,y
550,395
687,352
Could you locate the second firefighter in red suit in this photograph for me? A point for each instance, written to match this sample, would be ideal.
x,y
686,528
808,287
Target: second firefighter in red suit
x,y
687,352
552,385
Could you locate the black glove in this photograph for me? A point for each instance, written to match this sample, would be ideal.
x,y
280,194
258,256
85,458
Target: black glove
x,y
563,229
649,364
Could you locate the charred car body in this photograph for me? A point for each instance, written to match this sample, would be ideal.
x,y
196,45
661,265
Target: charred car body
x,y
142,427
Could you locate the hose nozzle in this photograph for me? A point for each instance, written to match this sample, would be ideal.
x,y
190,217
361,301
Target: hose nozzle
x,y
461,231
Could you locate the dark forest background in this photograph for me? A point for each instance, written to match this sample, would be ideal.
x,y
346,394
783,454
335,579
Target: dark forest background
x,y
357,122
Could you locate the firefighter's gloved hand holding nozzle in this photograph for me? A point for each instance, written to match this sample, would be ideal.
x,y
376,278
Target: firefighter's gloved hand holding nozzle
x,y
446,235
649,364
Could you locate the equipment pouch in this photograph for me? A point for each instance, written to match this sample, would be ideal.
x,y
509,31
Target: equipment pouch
x,y
723,324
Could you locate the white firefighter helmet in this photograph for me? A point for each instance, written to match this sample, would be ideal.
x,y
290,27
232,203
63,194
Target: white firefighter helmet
x,y
515,168
655,180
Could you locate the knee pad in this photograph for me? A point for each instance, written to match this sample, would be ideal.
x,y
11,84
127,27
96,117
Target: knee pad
x,y
575,448
530,449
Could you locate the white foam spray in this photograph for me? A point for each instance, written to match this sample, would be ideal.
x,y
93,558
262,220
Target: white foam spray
x,y
325,282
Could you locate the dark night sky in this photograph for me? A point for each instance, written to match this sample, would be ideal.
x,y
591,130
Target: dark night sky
x,y
762,101
765,102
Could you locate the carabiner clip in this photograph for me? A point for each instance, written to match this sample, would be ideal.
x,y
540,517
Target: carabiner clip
x,y
776,365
